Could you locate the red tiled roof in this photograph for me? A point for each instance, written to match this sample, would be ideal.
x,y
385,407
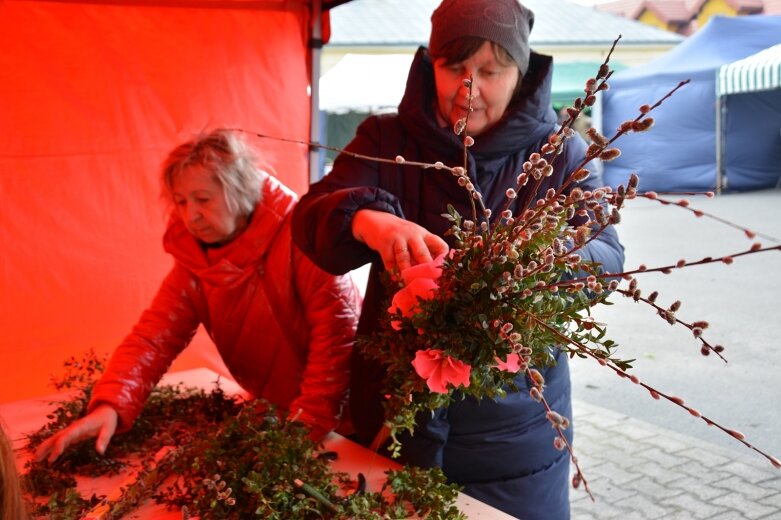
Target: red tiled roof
x,y
772,6
625,8
683,12
670,11
747,5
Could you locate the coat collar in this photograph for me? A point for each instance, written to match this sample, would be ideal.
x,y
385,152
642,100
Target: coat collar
x,y
246,250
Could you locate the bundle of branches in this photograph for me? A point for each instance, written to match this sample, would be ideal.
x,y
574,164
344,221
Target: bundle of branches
x,y
215,456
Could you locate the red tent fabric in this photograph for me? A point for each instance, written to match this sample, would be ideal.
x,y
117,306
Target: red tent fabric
x,y
93,95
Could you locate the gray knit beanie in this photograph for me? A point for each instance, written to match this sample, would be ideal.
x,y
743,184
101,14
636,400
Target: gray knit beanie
x,y
505,22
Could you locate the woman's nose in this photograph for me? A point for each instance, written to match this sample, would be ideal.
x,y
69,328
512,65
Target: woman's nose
x,y
189,213
470,86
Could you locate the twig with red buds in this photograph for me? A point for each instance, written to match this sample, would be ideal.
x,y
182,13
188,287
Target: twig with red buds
x,y
656,394
684,203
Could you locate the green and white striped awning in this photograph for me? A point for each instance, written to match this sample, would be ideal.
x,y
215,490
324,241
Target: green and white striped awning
x,y
760,71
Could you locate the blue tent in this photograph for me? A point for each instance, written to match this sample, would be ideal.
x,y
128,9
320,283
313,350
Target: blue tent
x,y
751,85
679,153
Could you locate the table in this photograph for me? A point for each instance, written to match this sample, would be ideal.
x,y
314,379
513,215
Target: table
x,y
21,417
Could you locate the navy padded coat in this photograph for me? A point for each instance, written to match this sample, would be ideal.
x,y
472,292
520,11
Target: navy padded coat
x,y
501,452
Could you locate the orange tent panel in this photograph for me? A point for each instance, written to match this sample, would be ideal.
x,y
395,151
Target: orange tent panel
x,y
93,96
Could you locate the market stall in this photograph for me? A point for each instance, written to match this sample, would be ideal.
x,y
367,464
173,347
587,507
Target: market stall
x,y
748,121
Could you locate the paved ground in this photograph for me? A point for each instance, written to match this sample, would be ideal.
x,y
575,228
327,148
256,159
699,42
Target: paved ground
x,y
639,471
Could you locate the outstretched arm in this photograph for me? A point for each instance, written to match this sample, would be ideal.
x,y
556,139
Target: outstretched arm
x,y
332,306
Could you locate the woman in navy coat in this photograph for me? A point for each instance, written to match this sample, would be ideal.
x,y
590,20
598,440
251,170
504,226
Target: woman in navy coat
x,y
391,215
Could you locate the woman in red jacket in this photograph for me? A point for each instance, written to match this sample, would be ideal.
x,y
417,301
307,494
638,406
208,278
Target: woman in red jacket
x,y
283,327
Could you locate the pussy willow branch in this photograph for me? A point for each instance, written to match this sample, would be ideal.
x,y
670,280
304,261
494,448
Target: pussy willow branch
x,y
667,269
635,294
756,248
438,166
592,237
579,476
622,129
656,394
683,203
466,146
626,127
573,116
554,145
726,259
664,313
574,113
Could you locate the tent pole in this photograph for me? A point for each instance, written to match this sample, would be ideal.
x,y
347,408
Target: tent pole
x,y
315,46
720,113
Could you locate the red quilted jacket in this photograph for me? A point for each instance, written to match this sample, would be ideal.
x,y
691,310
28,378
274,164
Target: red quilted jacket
x,y
283,327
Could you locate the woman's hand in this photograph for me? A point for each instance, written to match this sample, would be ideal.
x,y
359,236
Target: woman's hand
x,y
399,242
101,422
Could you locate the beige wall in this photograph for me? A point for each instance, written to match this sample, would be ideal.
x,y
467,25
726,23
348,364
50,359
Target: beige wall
x,y
713,8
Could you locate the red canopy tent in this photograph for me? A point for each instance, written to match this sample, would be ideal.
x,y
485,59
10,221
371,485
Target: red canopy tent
x,y
93,95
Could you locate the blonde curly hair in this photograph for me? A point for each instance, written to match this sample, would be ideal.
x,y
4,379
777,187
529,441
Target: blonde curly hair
x,y
227,155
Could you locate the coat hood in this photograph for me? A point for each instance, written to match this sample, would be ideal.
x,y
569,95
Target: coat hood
x,y
226,264
529,118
